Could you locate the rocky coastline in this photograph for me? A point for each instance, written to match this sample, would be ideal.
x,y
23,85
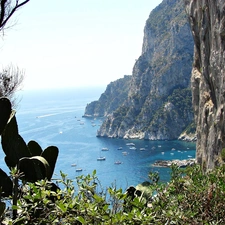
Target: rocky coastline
x,y
188,137
180,163
155,102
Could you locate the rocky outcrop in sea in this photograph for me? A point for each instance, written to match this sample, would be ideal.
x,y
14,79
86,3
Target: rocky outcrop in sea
x,y
179,163
158,101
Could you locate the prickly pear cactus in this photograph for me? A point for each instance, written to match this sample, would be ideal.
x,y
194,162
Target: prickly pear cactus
x,y
13,144
6,184
5,112
31,160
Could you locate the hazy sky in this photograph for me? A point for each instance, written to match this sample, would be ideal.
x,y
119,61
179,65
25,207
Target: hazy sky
x,y
74,43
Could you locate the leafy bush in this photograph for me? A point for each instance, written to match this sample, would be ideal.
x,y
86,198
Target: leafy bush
x,y
191,197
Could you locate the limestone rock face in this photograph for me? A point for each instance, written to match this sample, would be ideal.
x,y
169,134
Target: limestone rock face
x,y
158,103
207,19
113,97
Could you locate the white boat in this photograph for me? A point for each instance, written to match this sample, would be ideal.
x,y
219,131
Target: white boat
x,y
79,169
117,162
73,165
105,149
130,144
124,153
142,149
120,148
101,158
133,148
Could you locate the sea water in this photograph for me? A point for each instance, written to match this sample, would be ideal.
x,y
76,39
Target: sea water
x,y
54,117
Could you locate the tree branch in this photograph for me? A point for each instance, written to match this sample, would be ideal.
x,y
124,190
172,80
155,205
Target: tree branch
x,y
2,11
5,17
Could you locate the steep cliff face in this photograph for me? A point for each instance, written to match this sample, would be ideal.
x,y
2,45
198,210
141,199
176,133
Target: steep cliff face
x,y
207,19
113,97
158,104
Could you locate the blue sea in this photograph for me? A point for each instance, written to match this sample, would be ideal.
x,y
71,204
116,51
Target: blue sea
x,y
54,117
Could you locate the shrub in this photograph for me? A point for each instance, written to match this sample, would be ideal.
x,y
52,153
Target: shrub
x,y
191,197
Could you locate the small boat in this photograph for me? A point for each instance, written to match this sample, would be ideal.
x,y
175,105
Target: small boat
x,y
101,159
173,149
162,153
130,144
73,165
120,148
79,169
133,148
124,153
142,149
105,149
117,162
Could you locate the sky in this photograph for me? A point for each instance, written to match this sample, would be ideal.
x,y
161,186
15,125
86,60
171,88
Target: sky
x,y
75,43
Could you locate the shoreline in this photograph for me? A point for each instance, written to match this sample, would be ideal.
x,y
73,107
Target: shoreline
x,y
180,163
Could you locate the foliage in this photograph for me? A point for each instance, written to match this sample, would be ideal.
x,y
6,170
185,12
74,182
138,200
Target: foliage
x,y
119,115
11,78
164,15
182,100
223,154
191,128
29,158
191,197
27,162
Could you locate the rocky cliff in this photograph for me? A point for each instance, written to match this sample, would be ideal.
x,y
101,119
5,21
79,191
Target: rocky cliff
x,y
207,19
113,97
158,103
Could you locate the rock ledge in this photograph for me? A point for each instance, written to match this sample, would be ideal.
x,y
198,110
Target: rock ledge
x,y
179,163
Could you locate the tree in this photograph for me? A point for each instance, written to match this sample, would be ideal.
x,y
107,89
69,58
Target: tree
x,y
11,77
8,8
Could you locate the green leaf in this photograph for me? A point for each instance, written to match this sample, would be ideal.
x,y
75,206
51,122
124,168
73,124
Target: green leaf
x,y
51,155
6,184
34,168
2,208
62,207
81,219
5,111
13,144
34,148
